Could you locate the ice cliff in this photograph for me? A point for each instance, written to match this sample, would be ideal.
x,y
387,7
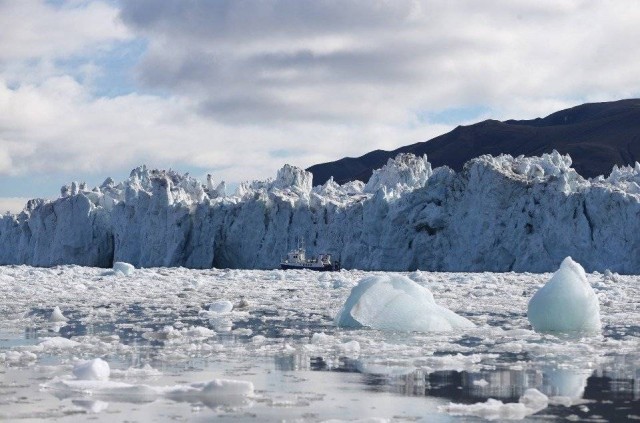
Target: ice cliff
x,y
497,214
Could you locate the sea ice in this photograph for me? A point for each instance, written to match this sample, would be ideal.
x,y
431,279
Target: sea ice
x,y
57,343
216,392
221,306
96,369
531,402
57,316
124,268
91,406
567,303
395,302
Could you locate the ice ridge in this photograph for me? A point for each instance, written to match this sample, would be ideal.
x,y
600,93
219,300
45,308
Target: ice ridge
x,y
497,214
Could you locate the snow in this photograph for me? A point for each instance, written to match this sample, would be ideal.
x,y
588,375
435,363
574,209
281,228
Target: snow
x,y
497,214
395,302
566,303
96,369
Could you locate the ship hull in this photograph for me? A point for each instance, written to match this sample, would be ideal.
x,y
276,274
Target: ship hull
x,y
327,268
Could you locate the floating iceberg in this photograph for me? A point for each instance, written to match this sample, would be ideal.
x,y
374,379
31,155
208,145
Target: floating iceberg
x,y
57,316
96,369
395,302
220,307
566,303
124,268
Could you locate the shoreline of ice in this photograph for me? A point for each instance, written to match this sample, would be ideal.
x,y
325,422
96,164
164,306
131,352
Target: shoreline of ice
x,y
498,214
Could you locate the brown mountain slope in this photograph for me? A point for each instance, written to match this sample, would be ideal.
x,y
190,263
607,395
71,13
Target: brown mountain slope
x,y
596,135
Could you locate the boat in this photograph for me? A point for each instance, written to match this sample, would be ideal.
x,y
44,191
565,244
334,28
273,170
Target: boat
x,y
297,259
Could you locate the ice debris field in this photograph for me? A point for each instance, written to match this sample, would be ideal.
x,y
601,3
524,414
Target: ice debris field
x,y
167,344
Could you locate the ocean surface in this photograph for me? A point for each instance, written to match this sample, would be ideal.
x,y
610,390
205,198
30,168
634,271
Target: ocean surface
x,y
164,330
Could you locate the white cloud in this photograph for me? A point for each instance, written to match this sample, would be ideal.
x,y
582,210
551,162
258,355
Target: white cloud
x,y
247,86
12,204
36,30
358,61
57,126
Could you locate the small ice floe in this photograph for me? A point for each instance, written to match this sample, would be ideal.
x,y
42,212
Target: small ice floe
x,y
395,302
322,338
566,303
57,343
96,369
220,307
242,304
57,316
18,357
171,333
215,393
145,372
126,269
91,406
530,403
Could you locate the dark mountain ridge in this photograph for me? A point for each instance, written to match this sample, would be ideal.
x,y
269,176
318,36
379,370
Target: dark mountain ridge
x,y
595,135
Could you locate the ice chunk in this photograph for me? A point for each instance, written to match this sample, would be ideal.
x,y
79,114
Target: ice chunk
x,y
531,402
124,268
220,306
96,369
395,302
58,343
57,316
567,303
91,406
218,392
322,338
222,387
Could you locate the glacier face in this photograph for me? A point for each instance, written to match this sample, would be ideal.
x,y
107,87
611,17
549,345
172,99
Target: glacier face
x,y
497,214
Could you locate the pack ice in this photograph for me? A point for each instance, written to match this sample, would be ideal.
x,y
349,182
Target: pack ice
x,y
497,214
566,303
395,302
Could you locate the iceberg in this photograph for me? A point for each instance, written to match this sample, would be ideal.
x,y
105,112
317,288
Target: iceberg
x,y
395,302
96,369
57,316
566,303
124,268
498,214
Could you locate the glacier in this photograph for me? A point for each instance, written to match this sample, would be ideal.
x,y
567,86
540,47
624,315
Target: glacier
x,y
497,214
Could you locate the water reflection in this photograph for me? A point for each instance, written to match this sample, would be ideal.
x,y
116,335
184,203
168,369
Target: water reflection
x,y
570,373
612,395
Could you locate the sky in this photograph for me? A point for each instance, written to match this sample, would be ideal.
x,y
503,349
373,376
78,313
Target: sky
x,y
237,88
